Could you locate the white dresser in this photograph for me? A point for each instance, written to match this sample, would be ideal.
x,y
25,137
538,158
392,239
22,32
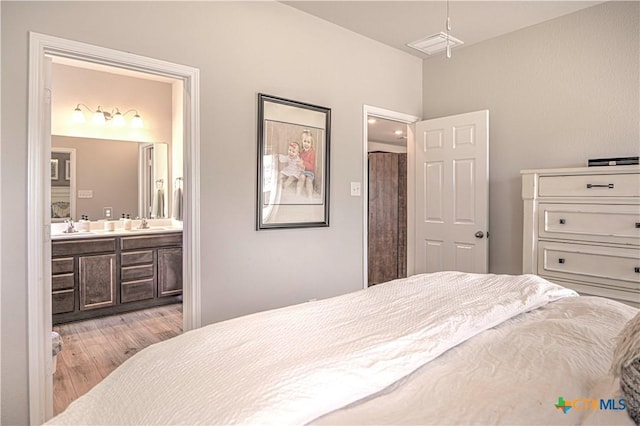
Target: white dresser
x,y
582,229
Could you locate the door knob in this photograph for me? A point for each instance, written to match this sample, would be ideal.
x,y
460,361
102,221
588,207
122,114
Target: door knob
x,y
479,234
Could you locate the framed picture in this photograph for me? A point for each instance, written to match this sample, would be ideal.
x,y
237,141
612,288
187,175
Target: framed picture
x,y
293,164
67,169
54,169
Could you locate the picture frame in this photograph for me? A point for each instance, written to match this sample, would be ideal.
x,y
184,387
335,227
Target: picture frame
x,y
67,169
54,169
293,164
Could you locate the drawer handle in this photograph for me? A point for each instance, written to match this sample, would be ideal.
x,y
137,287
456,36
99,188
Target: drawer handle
x,y
637,224
561,260
562,221
596,185
637,270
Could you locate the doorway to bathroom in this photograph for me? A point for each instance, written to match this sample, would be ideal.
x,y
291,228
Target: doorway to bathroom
x,y
125,162
44,51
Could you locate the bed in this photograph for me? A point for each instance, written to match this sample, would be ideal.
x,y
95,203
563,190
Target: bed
x,y
442,348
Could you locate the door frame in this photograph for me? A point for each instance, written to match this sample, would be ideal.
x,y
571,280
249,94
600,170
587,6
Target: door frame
x,y
38,227
367,111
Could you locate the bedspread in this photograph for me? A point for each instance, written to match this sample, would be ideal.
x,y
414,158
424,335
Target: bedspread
x,y
512,374
294,364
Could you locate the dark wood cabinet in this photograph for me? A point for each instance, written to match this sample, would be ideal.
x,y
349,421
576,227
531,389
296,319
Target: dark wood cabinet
x,y
62,285
387,217
97,281
103,276
137,275
169,271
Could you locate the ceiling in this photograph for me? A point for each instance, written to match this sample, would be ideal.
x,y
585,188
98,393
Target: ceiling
x,y
396,23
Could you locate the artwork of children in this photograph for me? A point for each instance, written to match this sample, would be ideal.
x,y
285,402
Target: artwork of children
x,y
297,166
293,164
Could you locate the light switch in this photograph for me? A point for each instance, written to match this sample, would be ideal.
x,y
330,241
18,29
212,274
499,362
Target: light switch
x,y
355,189
85,193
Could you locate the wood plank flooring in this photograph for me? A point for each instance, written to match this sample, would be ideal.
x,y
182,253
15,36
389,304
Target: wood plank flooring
x,y
92,349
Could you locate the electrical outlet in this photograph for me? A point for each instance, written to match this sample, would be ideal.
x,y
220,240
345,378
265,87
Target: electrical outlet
x,y
108,212
355,189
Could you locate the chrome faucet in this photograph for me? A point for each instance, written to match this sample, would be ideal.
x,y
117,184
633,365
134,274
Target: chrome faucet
x,y
70,228
143,223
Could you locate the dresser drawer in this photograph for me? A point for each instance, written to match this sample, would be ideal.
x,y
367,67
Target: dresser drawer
x,y
151,241
83,247
619,185
619,224
136,257
617,267
62,266
61,282
136,272
62,301
136,290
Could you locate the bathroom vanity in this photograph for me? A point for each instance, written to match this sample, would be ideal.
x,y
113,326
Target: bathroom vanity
x,y
104,273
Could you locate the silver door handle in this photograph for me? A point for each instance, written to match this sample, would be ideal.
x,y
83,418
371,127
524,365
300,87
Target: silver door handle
x,y
479,234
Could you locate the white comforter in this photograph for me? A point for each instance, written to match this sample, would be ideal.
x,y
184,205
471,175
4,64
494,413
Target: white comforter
x,y
512,374
292,365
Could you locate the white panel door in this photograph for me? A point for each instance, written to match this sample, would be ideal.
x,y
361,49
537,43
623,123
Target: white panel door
x,y
452,193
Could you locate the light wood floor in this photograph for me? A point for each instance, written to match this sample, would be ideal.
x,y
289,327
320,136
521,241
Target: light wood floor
x,y
92,349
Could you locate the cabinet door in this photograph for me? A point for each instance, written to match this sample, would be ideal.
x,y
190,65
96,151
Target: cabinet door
x,y
97,281
169,271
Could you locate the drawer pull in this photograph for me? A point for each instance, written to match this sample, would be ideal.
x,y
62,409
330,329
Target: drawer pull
x,y
561,260
637,224
637,270
596,185
562,221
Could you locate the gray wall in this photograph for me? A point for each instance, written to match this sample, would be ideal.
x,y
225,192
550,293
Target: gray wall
x,y
241,48
558,93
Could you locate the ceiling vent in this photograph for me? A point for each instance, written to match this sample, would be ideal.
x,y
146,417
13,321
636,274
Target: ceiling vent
x,y
435,43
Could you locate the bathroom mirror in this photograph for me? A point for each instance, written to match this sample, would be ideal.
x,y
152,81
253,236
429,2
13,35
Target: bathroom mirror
x,y
109,178
62,184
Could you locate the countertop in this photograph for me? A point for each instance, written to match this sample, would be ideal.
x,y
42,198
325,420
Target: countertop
x,y
100,233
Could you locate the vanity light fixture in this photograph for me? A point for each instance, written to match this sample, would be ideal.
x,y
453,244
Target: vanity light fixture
x,y
101,116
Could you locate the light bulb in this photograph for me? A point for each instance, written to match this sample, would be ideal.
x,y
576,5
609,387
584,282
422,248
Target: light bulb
x,y
136,122
98,117
118,119
77,116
